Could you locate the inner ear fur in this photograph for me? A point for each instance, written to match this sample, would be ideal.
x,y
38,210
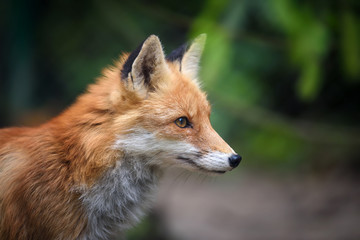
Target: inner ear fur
x,y
145,67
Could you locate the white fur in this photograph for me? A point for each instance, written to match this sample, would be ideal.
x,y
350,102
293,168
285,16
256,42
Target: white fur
x,y
119,199
215,161
163,152
157,151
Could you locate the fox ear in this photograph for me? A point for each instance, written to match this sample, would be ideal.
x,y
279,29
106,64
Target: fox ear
x,y
191,58
188,57
145,67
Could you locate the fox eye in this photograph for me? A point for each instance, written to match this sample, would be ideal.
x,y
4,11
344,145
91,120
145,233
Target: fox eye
x,y
182,122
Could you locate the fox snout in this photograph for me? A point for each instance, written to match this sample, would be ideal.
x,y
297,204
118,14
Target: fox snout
x,y
220,156
217,162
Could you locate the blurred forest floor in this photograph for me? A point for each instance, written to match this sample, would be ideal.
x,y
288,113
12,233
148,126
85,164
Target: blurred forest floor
x,y
251,205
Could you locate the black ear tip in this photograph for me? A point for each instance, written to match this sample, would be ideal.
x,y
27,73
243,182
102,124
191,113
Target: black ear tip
x,y
178,53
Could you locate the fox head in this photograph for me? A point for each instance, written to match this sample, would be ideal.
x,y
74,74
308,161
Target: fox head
x,y
165,118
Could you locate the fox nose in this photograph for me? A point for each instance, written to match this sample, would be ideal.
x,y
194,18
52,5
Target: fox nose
x,y
234,160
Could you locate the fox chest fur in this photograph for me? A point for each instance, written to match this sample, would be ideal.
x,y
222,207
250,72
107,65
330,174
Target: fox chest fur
x,y
119,198
91,171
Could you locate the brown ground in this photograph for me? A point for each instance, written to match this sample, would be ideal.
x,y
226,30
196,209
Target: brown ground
x,y
257,205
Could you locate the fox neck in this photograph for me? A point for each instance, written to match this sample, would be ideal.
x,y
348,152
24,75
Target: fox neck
x,y
115,187
83,135
119,199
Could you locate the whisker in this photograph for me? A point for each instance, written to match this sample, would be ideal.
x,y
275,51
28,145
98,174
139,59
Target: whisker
x,y
188,175
180,176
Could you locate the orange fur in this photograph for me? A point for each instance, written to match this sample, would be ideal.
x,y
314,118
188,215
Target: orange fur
x,y
42,168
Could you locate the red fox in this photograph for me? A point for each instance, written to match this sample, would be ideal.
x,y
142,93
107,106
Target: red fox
x,y
91,171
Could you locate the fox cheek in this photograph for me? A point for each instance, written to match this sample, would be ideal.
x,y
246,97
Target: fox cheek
x,y
141,142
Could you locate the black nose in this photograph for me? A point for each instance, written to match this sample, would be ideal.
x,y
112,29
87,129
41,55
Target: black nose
x,y
234,160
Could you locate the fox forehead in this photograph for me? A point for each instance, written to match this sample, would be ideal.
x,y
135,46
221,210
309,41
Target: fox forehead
x,y
180,97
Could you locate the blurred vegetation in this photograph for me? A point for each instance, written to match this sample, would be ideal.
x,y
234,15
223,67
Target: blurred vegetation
x,y
283,75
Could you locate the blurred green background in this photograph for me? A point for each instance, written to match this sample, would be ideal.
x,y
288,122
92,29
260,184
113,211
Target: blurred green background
x,y
283,76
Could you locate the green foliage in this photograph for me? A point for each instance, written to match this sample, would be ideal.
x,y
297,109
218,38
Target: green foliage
x,y
283,76
238,60
350,44
276,71
307,41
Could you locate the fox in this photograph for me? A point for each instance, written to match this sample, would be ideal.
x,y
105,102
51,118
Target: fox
x,y
92,171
